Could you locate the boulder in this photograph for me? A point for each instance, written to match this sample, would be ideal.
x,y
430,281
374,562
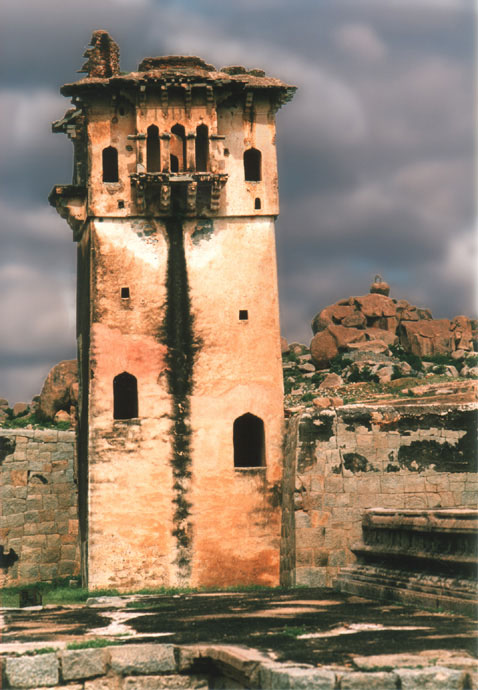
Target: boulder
x,y
355,320
323,349
284,346
62,416
424,338
374,306
331,315
60,390
343,336
388,337
331,381
376,346
3,403
20,409
462,333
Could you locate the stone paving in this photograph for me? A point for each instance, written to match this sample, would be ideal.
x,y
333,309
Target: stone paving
x,y
303,638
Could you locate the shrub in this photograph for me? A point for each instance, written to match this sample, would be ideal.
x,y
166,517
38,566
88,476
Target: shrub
x,y
413,360
339,362
365,374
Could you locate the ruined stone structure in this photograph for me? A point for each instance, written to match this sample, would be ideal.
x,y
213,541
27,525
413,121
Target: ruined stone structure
x,y
38,507
172,204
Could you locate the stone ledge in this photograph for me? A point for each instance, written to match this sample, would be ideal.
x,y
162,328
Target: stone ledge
x,y
164,666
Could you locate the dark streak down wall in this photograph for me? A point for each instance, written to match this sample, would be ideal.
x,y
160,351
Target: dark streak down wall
x,y
38,508
356,457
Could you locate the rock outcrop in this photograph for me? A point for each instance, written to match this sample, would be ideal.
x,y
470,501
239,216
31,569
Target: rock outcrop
x,y
60,390
375,321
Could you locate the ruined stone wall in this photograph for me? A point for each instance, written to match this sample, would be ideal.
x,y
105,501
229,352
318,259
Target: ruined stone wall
x,y
38,510
357,457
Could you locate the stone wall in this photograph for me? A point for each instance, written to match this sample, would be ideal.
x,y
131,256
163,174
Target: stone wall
x,y
357,457
38,511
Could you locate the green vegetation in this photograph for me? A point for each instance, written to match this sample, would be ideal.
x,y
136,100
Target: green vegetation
x,y
290,357
308,397
42,650
339,362
36,420
293,631
56,592
94,643
413,360
365,374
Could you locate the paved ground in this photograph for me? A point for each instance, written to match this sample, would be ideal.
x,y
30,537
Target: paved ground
x,y
314,626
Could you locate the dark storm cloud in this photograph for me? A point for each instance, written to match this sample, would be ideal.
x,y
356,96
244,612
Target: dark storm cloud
x,y
375,151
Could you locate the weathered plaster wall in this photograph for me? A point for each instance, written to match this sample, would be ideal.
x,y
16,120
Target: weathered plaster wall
x,y
38,511
358,457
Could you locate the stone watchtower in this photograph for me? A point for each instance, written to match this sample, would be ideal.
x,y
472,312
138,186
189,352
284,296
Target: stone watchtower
x,y
172,204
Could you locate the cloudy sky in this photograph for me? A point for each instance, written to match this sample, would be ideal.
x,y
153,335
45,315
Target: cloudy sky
x,y
375,151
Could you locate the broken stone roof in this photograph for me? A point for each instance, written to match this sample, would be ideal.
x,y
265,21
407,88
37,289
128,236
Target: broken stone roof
x,y
103,72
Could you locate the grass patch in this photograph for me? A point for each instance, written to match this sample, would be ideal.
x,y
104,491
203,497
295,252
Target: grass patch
x,y
293,631
95,643
42,650
56,592
35,420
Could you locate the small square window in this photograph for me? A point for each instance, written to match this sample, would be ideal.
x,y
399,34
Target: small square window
x,y
257,203
243,314
121,203
125,293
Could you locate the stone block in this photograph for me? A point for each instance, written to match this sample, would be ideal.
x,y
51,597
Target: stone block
x,y
17,520
311,576
275,676
28,572
304,557
310,537
66,568
432,678
32,671
104,683
143,659
368,681
68,552
83,663
46,435
48,571
302,519
169,682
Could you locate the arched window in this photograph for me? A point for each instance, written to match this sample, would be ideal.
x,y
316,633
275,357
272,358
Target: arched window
x,y
248,436
110,164
177,147
202,147
252,165
125,395
153,155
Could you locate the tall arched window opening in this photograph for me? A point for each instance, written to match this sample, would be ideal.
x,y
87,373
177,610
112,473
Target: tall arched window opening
x,y
252,165
249,444
177,147
202,147
153,154
110,164
125,396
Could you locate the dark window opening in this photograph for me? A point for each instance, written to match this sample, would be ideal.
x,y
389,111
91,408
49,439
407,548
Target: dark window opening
x,y
248,436
177,146
202,147
243,314
121,203
153,151
257,203
124,292
252,165
110,164
173,163
121,111
125,395
226,152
